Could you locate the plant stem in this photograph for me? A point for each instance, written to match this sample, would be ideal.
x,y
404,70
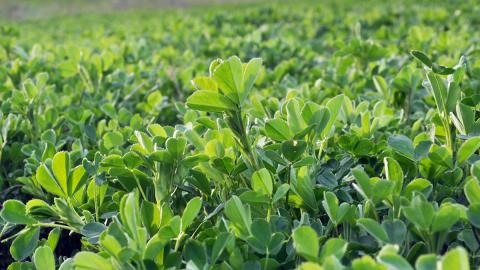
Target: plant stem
x,y
288,182
55,225
139,186
179,240
95,199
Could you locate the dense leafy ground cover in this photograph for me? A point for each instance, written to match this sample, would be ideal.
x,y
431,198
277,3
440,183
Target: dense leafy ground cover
x,y
128,143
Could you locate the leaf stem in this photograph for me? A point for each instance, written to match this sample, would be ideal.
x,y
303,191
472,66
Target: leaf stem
x,y
139,185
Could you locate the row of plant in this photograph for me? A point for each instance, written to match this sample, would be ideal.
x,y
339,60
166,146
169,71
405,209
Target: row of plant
x,y
337,148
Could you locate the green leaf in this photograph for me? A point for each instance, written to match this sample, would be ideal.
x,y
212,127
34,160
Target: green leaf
x,y
191,212
475,170
426,262
209,101
262,182
396,231
239,215
48,182
381,86
157,130
61,180
281,192
150,217
419,212
61,168
394,173
303,186
68,68
363,181
374,229
229,77
310,266
395,262
49,136
145,141
453,96
176,146
382,189
21,266
92,231
472,191
204,83
319,120
441,155
14,211
261,236
90,261
76,180
196,255
439,91
305,241
442,70
261,231
130,211
112,139
333,247
277,129
68,264
293,149
67,212
367,263
253,197
44,259
330,204
24,244
456,259
334,105
220,244
473,214
294,116
250,75
53,237
418,185
422,57
467,149
445,218
402,145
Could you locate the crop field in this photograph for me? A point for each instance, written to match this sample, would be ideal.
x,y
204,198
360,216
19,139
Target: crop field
x,y
334,135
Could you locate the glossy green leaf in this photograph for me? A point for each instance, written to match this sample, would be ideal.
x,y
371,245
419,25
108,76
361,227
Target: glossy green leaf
x,y
394,173
456,259
467,149
112,139
306,243
44,259
445,218
262,182
402,145
90,261
195,255
14,211
24,244
419,212
239,215
426,262
363,182
277,129
422,57
374,229
209,101
191,212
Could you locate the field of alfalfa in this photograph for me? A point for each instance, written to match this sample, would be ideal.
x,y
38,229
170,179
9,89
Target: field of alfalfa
x,y
311,135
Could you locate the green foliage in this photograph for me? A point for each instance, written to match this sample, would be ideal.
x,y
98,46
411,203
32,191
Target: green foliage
x,y
125,144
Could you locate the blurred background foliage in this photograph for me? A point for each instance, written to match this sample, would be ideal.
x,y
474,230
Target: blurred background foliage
x,y
38,9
